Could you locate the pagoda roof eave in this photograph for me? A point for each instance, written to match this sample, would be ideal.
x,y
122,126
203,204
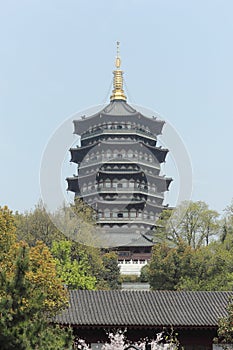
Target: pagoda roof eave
x,y
117,111
159,152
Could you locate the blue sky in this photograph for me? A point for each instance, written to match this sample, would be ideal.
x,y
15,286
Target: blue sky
x,y
57,57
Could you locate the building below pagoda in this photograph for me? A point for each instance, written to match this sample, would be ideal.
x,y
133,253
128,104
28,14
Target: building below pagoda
x,y
119,166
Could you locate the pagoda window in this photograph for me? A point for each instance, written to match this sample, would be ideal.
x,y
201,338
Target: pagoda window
x,y
115,153
131,184
152,217
120,215
107,184
115,214
130,154
114,183
107,213
133,214
108,154
119,185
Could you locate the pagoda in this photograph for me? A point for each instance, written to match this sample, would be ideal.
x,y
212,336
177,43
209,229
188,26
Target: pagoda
x,y
119,165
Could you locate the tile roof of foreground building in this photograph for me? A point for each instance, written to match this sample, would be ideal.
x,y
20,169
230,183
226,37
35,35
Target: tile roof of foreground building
x,y
145,308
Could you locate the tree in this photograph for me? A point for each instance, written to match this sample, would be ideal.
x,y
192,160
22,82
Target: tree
x,y
75,273
37,225
30,293
191,222
225,330
168,265
111,270
185,268
24,312
7,233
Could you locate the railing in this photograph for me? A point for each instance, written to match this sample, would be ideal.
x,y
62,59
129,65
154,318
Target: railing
x,y
147,221
133,262
115,190
117,131
124,171
110,160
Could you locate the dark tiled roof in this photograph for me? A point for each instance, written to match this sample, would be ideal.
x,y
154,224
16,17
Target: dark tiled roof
x,y
145,308
119,110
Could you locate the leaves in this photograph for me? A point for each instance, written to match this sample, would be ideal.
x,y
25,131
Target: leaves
x,y
30,292
75,274
191,222
225,330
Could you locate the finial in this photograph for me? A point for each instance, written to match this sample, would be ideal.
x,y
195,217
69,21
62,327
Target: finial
x,y
118,59
118,92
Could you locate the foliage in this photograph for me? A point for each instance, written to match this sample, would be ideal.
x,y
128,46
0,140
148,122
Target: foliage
x,y
191,222
130,278
184,257
144,275
23,322
7,233
84,211
75,273
111,270
225,330
30,292
36,225
185,268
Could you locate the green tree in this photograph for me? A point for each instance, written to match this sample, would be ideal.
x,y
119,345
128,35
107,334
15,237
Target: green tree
x,y
23,322
30,293
37,225
144,274
75,273
168,265
185,268
225,329
7,233
191,222
111,271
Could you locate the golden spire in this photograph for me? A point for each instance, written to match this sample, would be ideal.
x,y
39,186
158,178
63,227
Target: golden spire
x,y
118,92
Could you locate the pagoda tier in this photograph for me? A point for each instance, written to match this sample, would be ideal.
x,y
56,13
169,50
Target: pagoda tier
x,y
118,182
118,114
114,133
129,150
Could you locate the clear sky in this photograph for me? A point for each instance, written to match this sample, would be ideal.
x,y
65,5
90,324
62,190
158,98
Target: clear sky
x,y
57,57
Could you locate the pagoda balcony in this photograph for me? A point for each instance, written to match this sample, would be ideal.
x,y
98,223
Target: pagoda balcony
x,y
134,256
116,131
133,190
124,171
116,201
114,190
118,160
126,220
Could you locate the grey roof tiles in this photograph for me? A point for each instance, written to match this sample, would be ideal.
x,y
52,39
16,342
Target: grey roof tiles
x,y
145,308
